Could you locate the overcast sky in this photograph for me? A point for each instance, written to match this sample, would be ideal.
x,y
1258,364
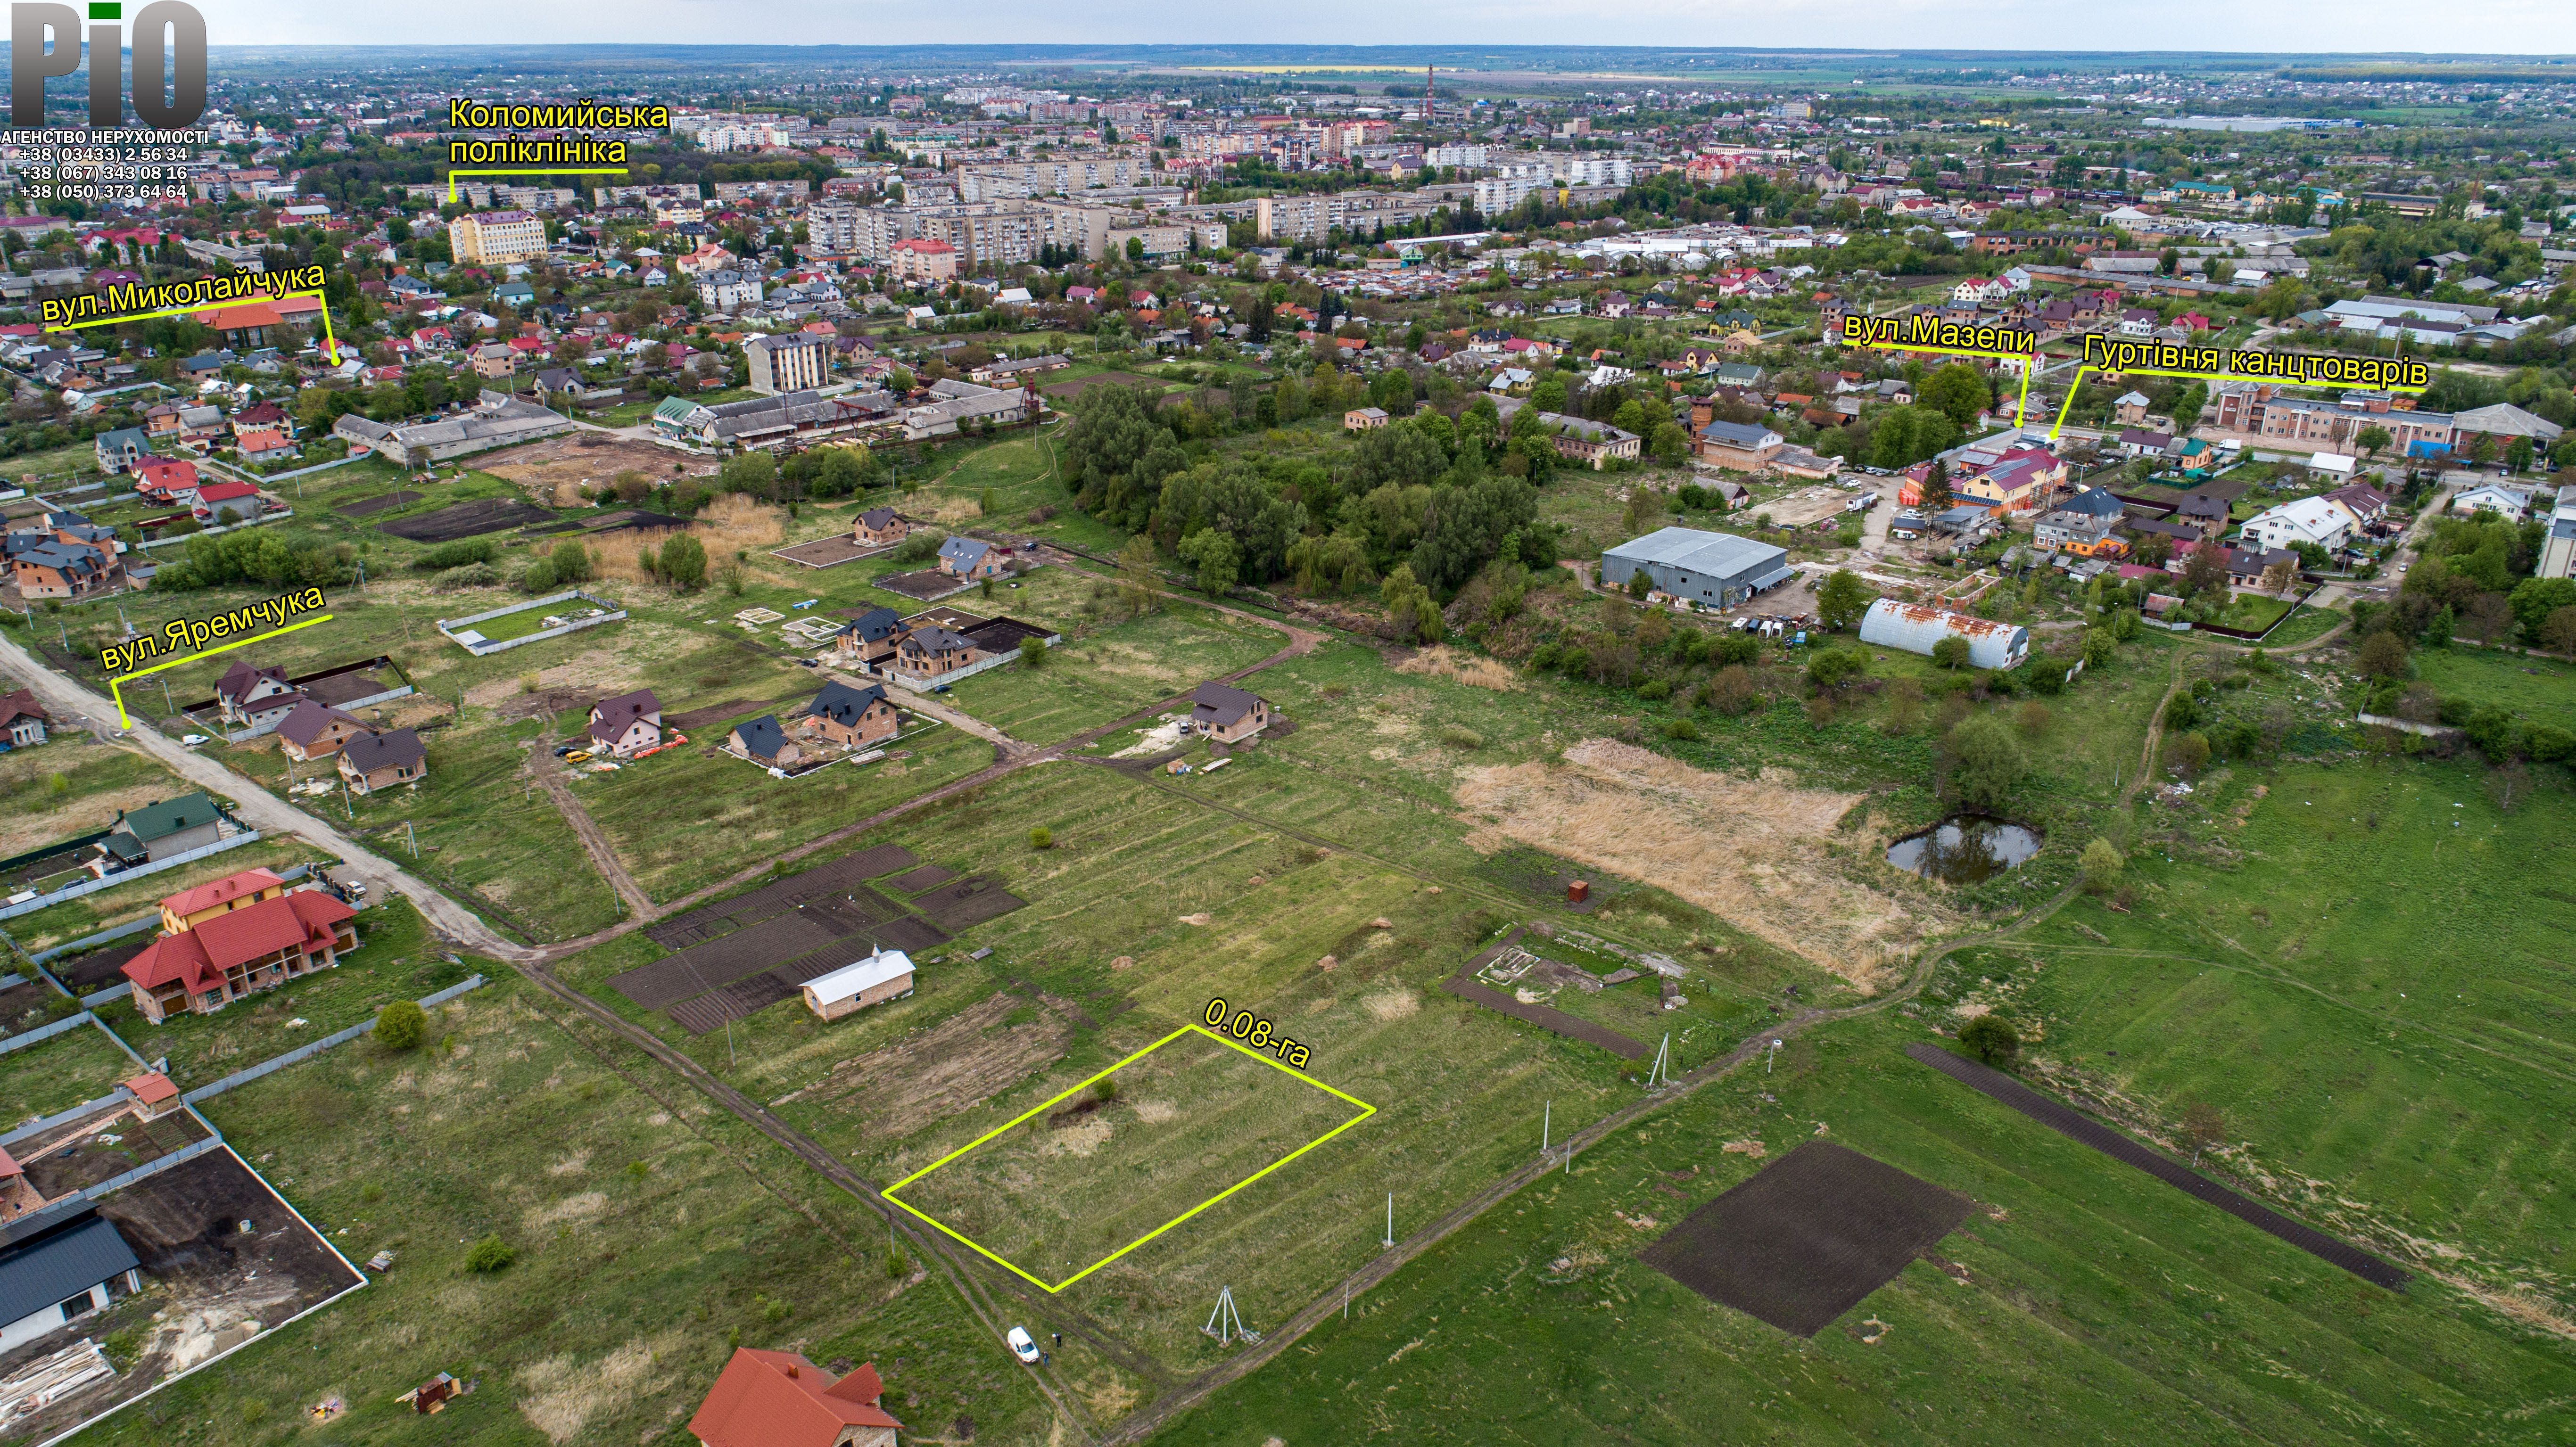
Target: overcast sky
x,y
2476,26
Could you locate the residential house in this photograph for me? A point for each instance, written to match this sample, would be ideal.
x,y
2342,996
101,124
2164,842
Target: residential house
x,y
1363,419
1742,446
2020,480
22,720
2301,520
253,696
160,830
626,725
877,527
314,730
64,1272
850,715
2511,501
120,450
378,761
241,952
494,361
883,975
2086,534
763,742
226,503
52,568
2248,567
168,483
18,1195
779,1399
1225,714
930,652
2141,442
2367,505
869,640
972,558
190,908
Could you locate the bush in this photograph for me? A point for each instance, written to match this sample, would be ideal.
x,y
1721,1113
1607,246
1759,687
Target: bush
x,y
1041,838
683,562
1655,690
1992,1039
401,1025
2102,865
538,577
1951,653
489,1255
454,555
921,546
1033,652
1835,667
1461,738
472,575
1680,728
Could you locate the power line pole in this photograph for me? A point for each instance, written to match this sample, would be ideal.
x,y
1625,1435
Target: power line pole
x,y
1390,1220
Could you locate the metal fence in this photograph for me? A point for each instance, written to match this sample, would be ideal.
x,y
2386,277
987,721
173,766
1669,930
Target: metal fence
x,y
154,1167
92,886
45,1032
612,612
312,1048
66,1117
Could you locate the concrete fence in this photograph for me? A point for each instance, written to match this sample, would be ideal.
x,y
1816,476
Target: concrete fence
x,y
2409,726
611,612
43,1033
310,1049
93,886
60,1118
154,1167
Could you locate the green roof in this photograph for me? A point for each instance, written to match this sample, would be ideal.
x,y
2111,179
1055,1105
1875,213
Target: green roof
x,y
674,409
170,816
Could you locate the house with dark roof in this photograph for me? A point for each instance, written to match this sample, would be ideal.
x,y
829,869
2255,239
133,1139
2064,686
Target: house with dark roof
x,y
63,1273
240,952
313,730
50,567
779,1399
245,684
122,448
928,652
850,715
157,831
377,761
868,640
972,558
1225,714
22,720
877,527
627,724
763,742
1743,446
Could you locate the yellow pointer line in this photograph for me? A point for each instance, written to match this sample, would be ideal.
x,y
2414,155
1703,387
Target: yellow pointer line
x,y
531,171
1366,1110
179,311
115,686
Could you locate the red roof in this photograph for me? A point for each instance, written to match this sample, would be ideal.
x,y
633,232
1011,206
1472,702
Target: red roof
x,y
779,1399
169,476
232,886
257,439
197,958
231,318
227,491
151,1087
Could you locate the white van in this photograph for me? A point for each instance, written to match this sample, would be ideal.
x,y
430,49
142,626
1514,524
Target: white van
x,y
1023,1345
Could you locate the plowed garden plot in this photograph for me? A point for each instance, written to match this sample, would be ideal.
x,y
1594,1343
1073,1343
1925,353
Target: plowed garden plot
x,y
786,894
85,974
468,520
370,506
1808,1237
967,902
827,552
1080,1180
928,876
924,585
1076,386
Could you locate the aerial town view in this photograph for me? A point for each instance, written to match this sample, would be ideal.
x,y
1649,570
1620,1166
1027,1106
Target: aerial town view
x,y
1035,727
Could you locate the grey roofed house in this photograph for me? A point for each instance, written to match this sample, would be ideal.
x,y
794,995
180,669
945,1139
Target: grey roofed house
x,y
878,519
2504,419
842,703
400,748
965,552
1214,705
2095,501
497,420
308,719
62,1265
1720,570
930,639
761,738
243,678
875,625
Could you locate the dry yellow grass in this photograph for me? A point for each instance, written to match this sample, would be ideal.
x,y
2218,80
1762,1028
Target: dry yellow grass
x,y
1748,850
1441,661
563,1394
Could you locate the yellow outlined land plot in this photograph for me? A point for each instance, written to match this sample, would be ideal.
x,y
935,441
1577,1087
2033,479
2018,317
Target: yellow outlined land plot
x,y
330,341
2076,383
116,685
1365,1110
530,171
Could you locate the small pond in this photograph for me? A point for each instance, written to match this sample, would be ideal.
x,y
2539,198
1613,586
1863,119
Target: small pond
x,y
1969,849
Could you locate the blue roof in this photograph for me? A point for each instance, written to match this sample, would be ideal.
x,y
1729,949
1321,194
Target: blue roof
x,y
54,1268
964,550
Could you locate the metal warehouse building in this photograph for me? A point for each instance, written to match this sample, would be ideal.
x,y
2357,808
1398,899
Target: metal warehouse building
x,y
1718,570
1915,628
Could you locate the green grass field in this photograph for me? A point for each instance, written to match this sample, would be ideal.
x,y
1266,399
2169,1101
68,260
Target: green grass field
x,y
77,918
652,1235
1100,676
73,786
2539,690
53,1075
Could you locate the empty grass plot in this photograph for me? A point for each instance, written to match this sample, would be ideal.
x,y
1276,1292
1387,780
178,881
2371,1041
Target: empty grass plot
x,y
1806,1239
1122,1157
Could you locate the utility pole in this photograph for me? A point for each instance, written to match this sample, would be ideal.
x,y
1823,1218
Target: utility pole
x,y
412,839
1546,1118
1390,1219
1769,1060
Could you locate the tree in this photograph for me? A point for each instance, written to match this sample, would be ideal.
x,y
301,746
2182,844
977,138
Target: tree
x,y
2370,439
1136,574
1033,652
2205,573
1992,1039
1834,667
2204,1127
1548,395
1958,391
1982,761
2102,865
2534,599
1951,653
683,561
2558,631
2187,754
401,1026
1843,599
2383,655
1216,557
1936,488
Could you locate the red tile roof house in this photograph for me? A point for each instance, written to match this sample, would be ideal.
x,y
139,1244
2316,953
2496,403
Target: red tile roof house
x,y
627,724
316,731
779,1399
263,445
229,501
239,953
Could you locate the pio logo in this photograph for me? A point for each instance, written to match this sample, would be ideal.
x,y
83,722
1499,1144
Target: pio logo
x,y
45,40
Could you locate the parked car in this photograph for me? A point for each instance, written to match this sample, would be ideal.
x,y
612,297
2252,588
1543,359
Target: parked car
x,y
192,740
1023,1345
